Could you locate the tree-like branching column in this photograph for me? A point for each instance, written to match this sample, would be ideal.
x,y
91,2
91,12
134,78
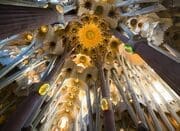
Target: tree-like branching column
x,y
157,61
106,106
17,19
29,106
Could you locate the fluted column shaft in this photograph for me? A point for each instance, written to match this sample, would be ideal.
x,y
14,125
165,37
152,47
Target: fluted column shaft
x,y
17,19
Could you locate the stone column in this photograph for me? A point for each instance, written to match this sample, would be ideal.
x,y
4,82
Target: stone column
x,y
165,67
17,19
34,101
109,122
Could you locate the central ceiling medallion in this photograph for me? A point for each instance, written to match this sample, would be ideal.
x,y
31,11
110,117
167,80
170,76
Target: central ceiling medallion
x,y
90,35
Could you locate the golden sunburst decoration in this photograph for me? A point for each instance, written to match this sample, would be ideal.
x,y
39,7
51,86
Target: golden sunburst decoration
x,y
90,35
